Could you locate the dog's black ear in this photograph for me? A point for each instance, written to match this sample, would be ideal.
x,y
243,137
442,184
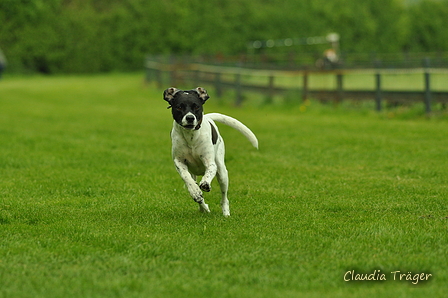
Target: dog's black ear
x,y
169,93
202,93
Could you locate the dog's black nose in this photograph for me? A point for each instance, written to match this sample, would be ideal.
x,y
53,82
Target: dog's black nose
x,y
189,118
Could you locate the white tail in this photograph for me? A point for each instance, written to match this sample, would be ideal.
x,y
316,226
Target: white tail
x,y
232,122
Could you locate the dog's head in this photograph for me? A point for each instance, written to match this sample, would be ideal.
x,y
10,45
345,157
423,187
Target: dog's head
x,y
186,106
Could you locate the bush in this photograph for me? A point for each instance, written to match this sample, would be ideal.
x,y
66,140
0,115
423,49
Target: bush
x,y
66,36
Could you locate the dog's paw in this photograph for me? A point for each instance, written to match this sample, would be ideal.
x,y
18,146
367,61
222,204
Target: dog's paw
x,y
195,192
203,208
204,186
198,198
225,210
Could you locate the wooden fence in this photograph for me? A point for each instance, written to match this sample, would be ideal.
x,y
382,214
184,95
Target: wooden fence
x,y
269,83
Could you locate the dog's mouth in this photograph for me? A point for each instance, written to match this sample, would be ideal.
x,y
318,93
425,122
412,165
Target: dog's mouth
x,y
188,126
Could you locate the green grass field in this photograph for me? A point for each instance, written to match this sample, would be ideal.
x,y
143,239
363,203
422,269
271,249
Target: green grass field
x,y
91,205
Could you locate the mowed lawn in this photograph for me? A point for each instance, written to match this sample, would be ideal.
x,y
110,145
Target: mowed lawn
x,y
91,205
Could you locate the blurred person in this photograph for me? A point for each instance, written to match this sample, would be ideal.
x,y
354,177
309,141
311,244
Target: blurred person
x,y
331,57
329,60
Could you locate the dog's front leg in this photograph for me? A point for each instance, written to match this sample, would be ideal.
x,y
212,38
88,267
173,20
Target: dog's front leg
x,y
192,187
210,173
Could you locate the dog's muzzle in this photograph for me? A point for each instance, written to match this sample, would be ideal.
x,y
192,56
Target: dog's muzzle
x,y
190,122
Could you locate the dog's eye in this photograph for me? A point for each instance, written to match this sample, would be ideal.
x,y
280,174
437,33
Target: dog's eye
x,y
196,108
180,107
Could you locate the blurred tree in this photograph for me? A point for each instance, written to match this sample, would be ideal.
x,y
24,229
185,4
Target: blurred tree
x,y
57,36
429,20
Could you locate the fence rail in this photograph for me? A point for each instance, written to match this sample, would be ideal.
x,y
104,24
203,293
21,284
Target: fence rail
x,y
268,82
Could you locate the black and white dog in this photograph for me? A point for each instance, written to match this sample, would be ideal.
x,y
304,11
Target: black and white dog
x,y
198,148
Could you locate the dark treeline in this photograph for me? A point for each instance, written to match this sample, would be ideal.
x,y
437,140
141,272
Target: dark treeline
x,y
64,36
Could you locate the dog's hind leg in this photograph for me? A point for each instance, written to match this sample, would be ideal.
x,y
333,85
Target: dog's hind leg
x,y
223,179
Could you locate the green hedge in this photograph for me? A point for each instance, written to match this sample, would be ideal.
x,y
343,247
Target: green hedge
x,y
66,36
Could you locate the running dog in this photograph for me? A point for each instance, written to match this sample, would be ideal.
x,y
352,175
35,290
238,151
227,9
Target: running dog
x,y
197,147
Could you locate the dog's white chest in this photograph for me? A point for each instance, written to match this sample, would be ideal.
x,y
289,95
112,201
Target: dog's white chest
x,y
195,165
192,150
192,157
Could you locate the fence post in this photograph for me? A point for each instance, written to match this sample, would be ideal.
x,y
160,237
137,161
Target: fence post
x,y
238,91
305,86
427,86
173,75
148,71
158,72
170,70
271,89
196,75
378,95
218,84
378,91
339,86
